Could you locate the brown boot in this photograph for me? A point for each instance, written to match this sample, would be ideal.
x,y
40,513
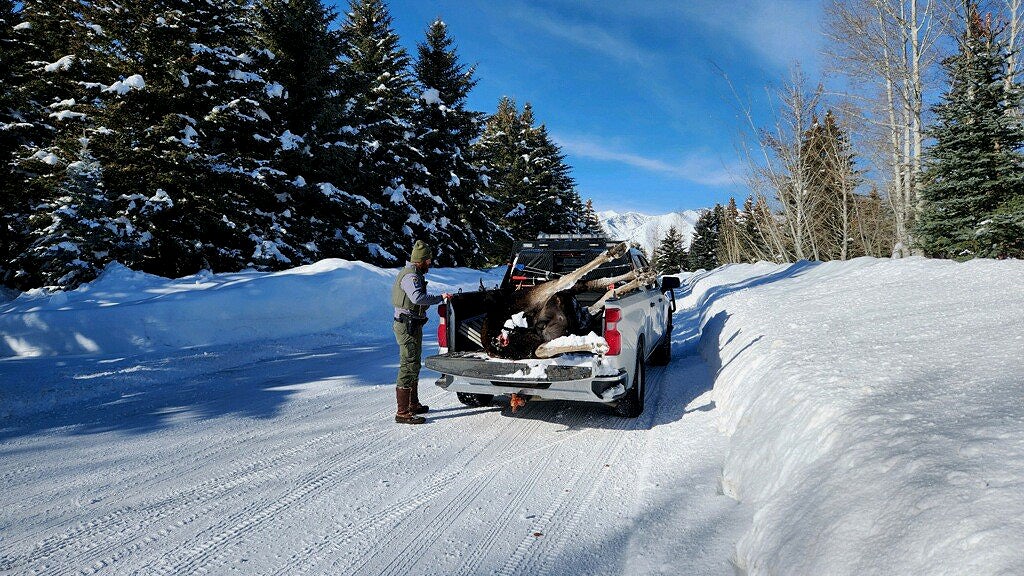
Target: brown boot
x,y
414,402
404,416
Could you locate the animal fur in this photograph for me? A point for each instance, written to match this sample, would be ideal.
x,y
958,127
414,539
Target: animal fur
x,y
550,308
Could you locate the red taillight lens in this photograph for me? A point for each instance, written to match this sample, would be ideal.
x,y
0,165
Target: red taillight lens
x,y
442,326
612,315
611,332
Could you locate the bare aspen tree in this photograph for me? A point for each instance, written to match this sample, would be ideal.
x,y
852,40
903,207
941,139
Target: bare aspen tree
x,y
889,47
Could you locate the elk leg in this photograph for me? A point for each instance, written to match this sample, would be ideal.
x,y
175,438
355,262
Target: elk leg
x,y
598,284
642,280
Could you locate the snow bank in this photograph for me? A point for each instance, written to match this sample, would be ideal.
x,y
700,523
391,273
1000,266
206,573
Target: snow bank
x,y
876,413
124,311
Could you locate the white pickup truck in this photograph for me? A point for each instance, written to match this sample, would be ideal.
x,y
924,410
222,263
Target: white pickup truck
x,y
637,327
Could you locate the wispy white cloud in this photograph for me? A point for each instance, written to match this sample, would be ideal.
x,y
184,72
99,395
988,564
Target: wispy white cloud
x,y
593,37
693,167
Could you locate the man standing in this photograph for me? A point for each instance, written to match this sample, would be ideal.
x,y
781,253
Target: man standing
x,y
411,301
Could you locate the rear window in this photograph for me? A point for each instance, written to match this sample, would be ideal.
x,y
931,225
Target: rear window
x,y
535,266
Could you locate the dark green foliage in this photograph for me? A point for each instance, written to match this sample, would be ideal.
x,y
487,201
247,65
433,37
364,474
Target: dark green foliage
x,y
528,177
831,178
670,256
704,245
378,130
591,222
179,135
445,132
973,178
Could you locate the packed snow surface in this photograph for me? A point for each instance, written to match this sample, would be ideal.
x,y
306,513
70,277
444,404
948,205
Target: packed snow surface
x,y
864,417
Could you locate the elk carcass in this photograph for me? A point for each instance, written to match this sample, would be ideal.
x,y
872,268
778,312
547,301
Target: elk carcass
x,y
521,320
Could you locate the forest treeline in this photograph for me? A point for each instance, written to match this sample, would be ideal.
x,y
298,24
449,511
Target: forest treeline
x,y
180,135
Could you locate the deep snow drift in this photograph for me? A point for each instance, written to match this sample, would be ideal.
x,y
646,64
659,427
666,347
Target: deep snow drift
x,y
874,409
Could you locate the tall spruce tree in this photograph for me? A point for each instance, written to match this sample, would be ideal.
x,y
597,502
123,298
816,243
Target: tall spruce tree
x,y
973,179
13,135
591,220
305,70
379,130
54,43
670,254
183,133
704,245
446,130
528,176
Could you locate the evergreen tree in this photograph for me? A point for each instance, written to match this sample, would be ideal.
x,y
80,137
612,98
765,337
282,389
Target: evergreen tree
x,y
704,245
445,132
378,129
305,70
831,178
184,134
591,220
528,176
50,85
670,254
13,135
72,233
730,245
754,247
973,179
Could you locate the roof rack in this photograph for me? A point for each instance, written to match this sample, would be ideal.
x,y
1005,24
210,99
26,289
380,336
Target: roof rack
x,y
545,236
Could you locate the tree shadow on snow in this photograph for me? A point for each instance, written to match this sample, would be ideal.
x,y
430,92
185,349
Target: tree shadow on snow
x,y
149,392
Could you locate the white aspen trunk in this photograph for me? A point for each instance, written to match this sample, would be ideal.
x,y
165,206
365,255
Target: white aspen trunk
x,y
1014,15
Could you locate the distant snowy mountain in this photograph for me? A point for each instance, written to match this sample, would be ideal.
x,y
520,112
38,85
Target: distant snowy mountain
x,y
648,230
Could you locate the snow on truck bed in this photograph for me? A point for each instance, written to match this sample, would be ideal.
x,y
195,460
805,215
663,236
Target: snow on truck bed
x,y
874,408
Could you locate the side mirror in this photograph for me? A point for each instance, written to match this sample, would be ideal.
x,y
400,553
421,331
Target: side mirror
x,y
669,283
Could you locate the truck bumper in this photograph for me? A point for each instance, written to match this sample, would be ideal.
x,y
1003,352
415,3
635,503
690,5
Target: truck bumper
x,y
604,389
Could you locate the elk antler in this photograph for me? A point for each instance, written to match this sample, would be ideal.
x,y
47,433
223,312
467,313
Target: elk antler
x,y
542,292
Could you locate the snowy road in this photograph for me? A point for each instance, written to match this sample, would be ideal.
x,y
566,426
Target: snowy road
x,y
284,459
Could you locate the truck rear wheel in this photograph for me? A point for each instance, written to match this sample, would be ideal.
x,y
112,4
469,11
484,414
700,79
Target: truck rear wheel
x,y
632,404
474,400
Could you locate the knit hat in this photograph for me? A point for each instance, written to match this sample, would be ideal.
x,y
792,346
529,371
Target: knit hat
x,y
421,252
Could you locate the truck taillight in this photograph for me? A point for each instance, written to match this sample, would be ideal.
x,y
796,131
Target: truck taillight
x,y
611,330
442,326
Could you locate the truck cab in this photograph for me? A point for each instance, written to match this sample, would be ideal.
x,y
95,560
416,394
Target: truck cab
x,y
636,326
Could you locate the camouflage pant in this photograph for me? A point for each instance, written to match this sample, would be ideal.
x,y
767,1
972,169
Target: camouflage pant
x,y
410,345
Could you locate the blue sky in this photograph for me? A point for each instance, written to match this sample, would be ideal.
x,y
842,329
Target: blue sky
x,y
630,89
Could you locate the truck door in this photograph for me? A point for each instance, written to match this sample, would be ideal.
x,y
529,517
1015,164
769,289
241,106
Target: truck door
x,y
657,307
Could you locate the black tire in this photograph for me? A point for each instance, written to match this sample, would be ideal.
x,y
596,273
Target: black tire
x,y
662,355
475,400
632,404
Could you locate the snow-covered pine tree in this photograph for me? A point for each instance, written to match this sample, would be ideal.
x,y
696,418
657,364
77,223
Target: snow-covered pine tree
x,y
306,54
670,255
704,245
184,137
72,233
53,40
13,135
378,129
445,133
500,151
559,209
528,176
973,178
